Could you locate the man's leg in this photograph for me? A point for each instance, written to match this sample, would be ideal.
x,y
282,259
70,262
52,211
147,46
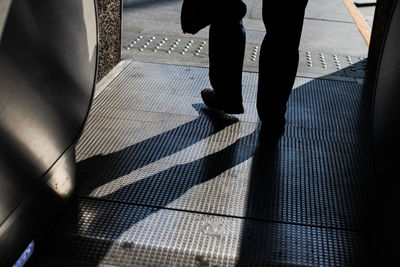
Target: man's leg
x,y
279,58
227,40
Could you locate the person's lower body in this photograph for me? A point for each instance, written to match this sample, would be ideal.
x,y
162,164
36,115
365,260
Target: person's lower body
x,y
279,58
227,41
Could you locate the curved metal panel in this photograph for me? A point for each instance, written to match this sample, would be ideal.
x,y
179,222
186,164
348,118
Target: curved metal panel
x,y
48,57
386,143
387,97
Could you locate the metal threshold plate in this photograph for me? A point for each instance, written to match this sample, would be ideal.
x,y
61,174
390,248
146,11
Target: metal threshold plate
x,y
163,181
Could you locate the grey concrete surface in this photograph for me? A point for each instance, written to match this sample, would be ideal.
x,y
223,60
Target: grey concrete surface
x,y
328,29
368,14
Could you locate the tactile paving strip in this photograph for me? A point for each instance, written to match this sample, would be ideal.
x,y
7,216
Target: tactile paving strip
x,y
194,52
166,182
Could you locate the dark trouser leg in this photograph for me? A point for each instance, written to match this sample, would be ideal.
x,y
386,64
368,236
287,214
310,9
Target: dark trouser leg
x,y
279,59
227,40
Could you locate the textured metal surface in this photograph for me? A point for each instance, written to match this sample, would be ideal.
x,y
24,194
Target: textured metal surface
x,y
165,182
129,235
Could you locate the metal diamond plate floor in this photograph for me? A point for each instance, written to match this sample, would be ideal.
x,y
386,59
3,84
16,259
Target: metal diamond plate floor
x,y
163,181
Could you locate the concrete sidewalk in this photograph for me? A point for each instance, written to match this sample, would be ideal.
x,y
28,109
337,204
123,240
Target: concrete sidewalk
x,y
329,30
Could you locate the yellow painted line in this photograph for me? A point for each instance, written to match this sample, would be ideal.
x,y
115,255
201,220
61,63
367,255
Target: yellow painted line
x,y
359,20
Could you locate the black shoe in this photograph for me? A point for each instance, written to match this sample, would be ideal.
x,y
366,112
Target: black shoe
x,y
210,99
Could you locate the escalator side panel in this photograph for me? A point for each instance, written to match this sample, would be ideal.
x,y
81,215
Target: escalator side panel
x,y
48,62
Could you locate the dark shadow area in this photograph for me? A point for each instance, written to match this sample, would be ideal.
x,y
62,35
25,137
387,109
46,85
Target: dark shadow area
x,y
309,194
384,70
175,181
101,169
